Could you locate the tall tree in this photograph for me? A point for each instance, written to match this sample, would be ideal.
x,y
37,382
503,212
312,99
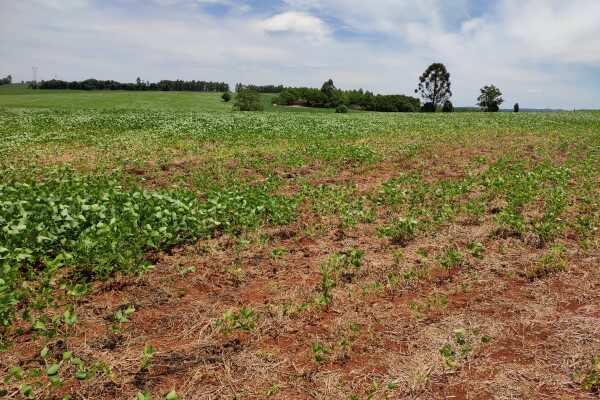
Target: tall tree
x,y
490,98
434,86
516,107
328,88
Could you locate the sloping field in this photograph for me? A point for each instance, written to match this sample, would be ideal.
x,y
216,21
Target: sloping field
x,y
220,255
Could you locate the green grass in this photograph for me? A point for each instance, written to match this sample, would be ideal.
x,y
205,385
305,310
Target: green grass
x,y
19,95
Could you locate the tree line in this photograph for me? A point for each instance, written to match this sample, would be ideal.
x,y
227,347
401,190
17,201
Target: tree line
x,y
139,85
260,88
433,87
331,97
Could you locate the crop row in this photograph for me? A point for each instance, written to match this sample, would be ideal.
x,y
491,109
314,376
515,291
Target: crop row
x,y
66,228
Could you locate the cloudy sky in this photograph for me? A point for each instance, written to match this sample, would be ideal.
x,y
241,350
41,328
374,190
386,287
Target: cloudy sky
x,y
541,53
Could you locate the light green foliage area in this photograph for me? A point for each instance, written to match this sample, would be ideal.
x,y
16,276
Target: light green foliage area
x,y
19,95
95,227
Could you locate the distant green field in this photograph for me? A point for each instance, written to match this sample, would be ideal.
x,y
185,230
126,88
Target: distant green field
x,y
19,95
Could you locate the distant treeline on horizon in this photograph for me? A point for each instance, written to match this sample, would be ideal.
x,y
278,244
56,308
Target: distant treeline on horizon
x,y
330,97
261,88
139,85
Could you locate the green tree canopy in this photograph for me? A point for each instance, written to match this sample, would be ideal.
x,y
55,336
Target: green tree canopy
x,y
490,98
448,106
434,85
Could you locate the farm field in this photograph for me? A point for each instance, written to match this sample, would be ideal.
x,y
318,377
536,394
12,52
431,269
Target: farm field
x,y
161,244
18,95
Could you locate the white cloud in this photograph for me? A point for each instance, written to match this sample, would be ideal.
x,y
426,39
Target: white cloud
x,y
294,22
554,30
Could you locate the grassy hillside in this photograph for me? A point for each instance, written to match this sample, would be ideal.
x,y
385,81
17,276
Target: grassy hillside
x,y
18,95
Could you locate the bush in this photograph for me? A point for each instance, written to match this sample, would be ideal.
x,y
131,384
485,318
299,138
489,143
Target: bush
x,y
516,107
428,107
493,108
248,100
341,109
226,97
448,107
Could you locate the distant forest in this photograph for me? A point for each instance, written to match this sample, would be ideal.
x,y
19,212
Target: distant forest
x,y
139,85
260,88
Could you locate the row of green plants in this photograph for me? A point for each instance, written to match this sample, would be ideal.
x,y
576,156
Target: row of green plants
x,y
67,229
94,226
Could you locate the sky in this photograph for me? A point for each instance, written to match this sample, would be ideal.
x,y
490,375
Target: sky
x,y
540,53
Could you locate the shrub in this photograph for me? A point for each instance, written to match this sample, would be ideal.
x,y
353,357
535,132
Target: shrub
x,y
341,109
6,81
226,97
516,107
448,107
248,100
428,107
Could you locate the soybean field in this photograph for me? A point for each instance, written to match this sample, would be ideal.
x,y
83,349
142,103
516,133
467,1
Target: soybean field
x,y
162,245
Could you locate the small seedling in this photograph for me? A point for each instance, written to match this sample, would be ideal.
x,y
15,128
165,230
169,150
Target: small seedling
x,y
554,261
455,352
274,388
69,317
186,270
433,302
147,354
400,231
122,315
244,319
320,352
452,258
278,251
476,250
145,395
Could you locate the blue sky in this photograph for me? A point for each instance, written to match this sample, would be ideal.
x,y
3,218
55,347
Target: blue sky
x,y
541,53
